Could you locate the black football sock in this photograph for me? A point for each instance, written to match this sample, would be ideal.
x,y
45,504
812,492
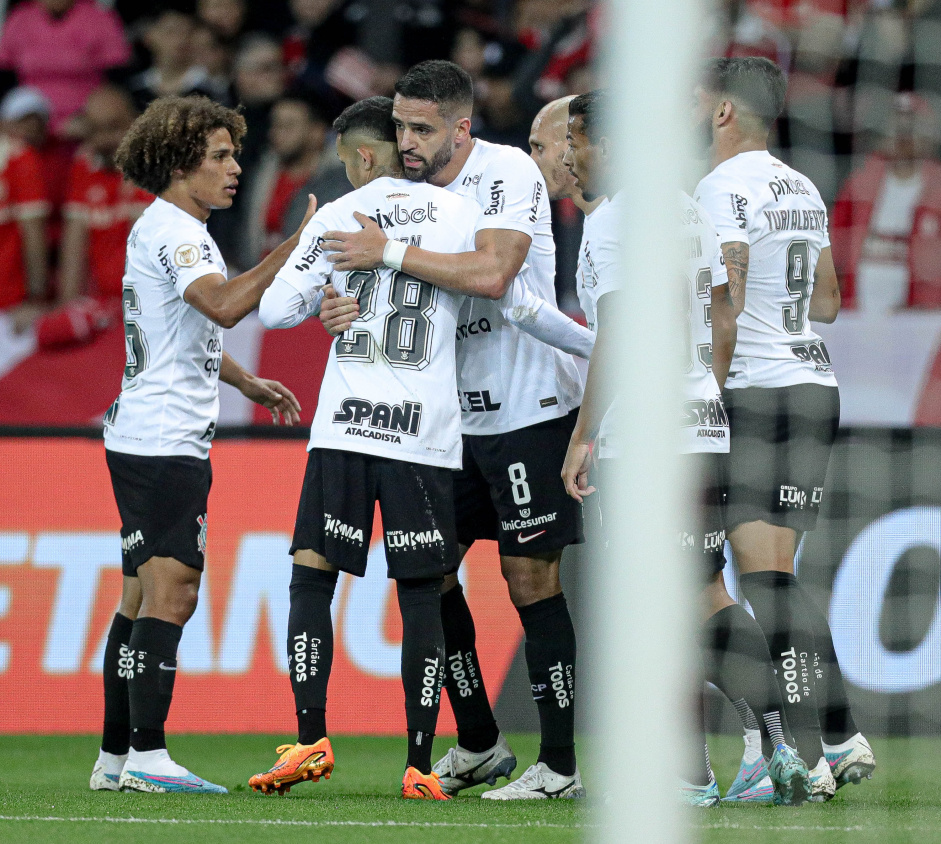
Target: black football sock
x,y
422,664
152,653
310,648
738,663
781,610
836,719
550,659
116,735
476,727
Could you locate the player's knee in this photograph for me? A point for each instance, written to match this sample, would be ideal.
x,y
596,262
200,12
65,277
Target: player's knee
x,y
529,584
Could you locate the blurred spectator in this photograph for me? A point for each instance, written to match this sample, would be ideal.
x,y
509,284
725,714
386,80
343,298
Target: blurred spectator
x,y
259,80
224,17
63,48
216,57
101,206
25,113
100,210
173,70
23,211
293,167
886,224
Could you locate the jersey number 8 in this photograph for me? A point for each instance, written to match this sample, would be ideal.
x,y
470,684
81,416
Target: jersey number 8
x,y
407,333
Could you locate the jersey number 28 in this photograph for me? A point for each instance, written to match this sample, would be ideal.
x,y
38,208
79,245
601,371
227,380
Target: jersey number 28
x,y
407,333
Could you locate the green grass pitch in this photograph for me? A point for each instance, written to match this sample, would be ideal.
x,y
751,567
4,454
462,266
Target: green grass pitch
x,y
44,797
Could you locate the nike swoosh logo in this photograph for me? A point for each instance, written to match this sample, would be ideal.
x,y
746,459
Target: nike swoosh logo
x,y
167,667
521,539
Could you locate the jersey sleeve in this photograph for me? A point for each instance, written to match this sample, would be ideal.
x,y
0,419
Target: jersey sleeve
x,y
606,256
512,188
184,255
720,275
307,270
729,207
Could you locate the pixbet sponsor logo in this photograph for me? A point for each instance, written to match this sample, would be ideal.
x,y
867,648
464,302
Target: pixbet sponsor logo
x,y
400,216
399,539
787,187
341,530
402,418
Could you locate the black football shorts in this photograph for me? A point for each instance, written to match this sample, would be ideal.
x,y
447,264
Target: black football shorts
x,y
338,503
510,489
780,447
162,502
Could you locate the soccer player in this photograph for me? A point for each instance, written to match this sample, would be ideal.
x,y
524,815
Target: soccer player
x,y
736,653
157,433
519,400
387,428
782,399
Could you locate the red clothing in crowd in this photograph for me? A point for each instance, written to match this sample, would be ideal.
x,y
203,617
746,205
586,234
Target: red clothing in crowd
x,y
850,224
22,195
283,191
109,205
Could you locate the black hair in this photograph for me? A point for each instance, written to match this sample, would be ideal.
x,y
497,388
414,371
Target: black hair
x,y
756,83
372,117
310,103
441,82
591,107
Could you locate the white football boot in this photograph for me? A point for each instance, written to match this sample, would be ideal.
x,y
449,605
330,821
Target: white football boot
x,y
851,761
460,768
107,772
539,782
154,771
822,784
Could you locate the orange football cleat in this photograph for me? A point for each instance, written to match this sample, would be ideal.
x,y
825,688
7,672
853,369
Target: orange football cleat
x,y
298,762
419,786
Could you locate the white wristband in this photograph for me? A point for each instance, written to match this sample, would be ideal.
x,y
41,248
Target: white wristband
x,y
394,253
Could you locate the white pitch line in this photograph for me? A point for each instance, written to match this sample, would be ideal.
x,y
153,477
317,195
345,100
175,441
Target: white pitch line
x,y
805,828
197,821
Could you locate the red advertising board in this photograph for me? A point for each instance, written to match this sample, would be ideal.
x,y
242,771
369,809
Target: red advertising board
x,y
60,580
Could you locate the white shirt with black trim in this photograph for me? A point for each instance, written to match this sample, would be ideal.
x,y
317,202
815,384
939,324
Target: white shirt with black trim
x,y
389,386
508,379
756,199
169,399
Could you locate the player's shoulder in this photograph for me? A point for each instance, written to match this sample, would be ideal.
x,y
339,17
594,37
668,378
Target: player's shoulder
x,y
504,157
693,213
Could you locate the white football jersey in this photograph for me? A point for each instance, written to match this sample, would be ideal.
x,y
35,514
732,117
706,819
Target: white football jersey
x,y
705,427
508,379
169,399
389,386
756,199
599,257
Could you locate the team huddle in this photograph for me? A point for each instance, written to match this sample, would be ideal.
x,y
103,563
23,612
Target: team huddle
x,y
436,275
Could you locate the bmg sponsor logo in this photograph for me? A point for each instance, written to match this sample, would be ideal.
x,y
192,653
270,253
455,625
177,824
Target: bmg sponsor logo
x,y
497,198
738,209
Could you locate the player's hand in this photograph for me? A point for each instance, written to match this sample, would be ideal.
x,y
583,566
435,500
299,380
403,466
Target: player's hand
x,y
360,250
311,210
337,312
282,403
575,471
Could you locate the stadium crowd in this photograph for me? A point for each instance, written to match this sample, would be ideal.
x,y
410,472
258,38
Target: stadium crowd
x,y
861,121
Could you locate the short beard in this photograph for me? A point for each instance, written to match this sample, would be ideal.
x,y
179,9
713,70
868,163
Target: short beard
x,y
440,160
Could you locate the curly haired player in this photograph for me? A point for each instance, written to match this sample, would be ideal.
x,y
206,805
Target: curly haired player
x,y
177,299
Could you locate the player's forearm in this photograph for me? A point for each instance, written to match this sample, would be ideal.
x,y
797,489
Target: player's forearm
x,y
540,319
478,273
736,264
231,372
825,299
232,300
35,256
594,401
724,333
73,259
